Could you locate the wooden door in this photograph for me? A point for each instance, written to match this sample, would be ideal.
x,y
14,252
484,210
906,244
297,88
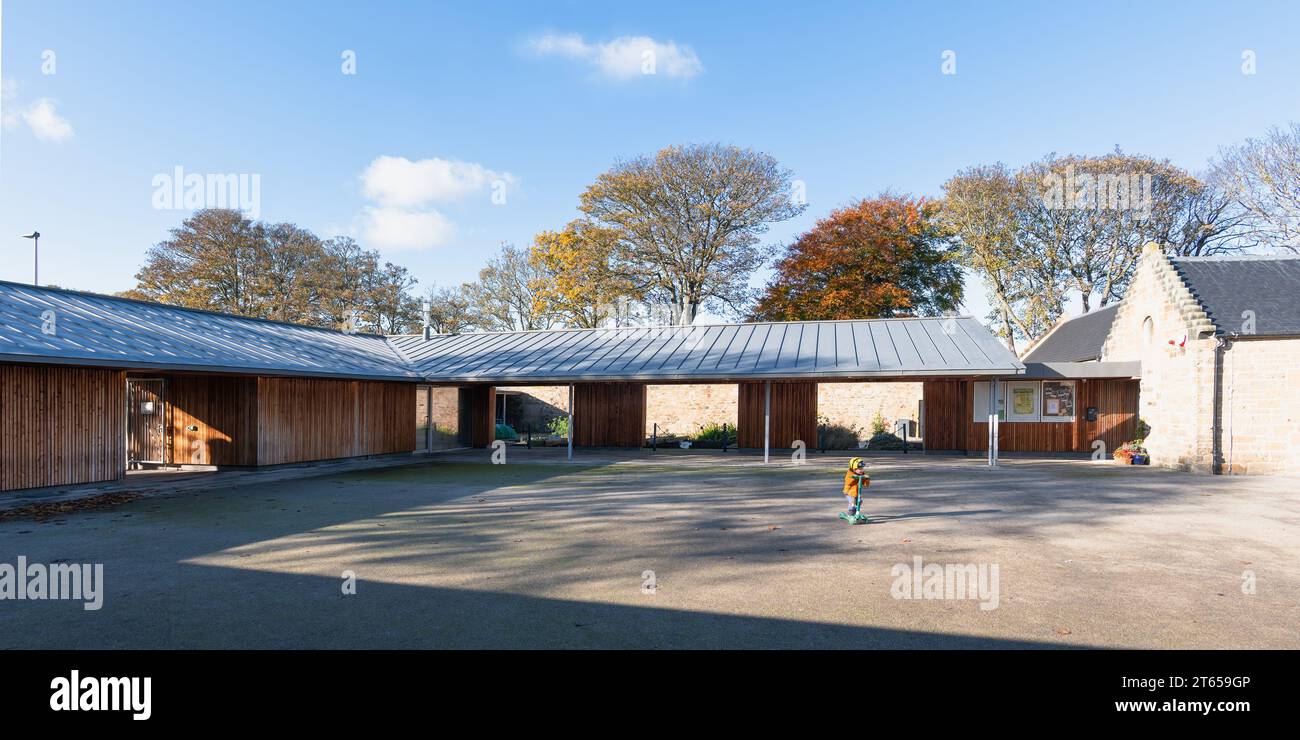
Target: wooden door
x,y
146,420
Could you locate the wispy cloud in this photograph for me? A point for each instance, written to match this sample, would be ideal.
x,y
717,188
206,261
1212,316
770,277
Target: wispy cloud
x,y
622,58
403,194
41,116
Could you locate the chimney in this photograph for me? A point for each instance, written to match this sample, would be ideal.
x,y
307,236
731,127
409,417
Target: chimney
x,y
428,330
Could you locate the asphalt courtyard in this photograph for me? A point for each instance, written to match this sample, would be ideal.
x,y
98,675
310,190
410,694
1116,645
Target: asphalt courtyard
x,y
680,550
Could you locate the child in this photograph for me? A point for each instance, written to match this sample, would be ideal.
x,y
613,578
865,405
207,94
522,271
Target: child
x,y
854,481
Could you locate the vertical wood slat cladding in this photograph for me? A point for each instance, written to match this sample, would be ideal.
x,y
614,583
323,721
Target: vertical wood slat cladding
x,y
146,434
225,411
305,419
478,420
947,414
609,414
61,426
794,414
949,423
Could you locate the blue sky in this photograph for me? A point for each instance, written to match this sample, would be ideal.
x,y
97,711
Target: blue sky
x,y
539,98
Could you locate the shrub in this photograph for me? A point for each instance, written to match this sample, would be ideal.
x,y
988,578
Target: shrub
x,y
879,426
505,431
840,437
559,426
885,441
714,432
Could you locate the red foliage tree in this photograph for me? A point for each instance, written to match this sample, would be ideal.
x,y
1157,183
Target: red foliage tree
x,y
882,257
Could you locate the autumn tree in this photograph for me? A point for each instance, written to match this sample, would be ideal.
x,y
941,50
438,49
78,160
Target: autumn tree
x,y
980,210
450,310
220,260
208,262
1077,225
881,257
505,298
578,283
688,222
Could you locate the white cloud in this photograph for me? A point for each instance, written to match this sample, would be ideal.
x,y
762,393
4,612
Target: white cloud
x,y
625,57
398,228
45,122
403,193
41,117
397,181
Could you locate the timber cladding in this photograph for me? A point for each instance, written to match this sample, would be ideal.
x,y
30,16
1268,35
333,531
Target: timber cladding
x,y
609,414
794,414
213,420
61,426
304,419
950,424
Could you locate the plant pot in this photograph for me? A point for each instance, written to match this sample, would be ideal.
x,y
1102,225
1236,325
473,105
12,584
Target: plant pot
x,y
1141,460
685,444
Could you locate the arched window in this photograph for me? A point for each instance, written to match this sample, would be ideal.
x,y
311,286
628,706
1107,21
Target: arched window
x,y
1148,331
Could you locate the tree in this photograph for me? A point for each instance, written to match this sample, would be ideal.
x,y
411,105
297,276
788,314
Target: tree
x,y
688,222
505,296
881,257
980,211
1077,224
289,276
579,285
1263,177
386,304
450,309
219,260
208,262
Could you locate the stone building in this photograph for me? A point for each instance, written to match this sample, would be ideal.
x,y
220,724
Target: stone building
x,y
1218,339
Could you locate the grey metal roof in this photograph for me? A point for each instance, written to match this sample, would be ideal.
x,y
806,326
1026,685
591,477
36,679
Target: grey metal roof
x,y
1227,287
91,329
1075,340
814,349
106,331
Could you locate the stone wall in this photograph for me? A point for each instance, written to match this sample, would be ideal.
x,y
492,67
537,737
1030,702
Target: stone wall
x,y
1177,389
1261,410
683,409
855,405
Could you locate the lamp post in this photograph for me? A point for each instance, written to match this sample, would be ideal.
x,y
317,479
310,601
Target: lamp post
x,y
35,236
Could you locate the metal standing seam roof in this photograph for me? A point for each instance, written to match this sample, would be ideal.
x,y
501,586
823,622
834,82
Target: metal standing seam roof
x,y
107,331
92,329
872,348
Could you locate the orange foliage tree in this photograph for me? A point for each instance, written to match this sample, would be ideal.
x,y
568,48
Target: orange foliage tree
x,y
882,257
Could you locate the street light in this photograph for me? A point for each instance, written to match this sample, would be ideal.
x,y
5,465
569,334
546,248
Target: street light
x,y
35,236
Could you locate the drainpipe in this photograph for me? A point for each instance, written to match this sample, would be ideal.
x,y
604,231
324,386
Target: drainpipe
x,y
1221,345
568,432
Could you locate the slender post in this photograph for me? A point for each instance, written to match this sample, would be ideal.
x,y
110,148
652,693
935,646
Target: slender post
x,y
530,436
996,421
724,437
568,432
767,419
36,260
654,438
